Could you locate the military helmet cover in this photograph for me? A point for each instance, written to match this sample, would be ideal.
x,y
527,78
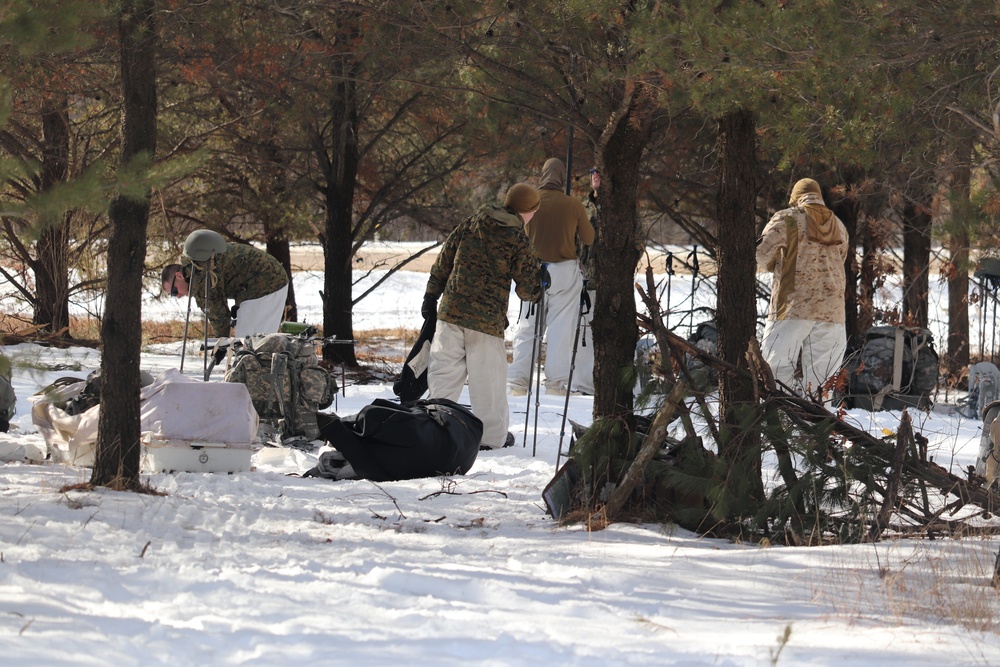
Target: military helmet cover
x,y
202,244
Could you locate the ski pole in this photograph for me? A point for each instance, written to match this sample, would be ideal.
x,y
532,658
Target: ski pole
x,y
535,349
208,275
187,320
584,309
538,371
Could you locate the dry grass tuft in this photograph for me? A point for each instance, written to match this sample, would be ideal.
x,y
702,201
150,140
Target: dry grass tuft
x,y
945,582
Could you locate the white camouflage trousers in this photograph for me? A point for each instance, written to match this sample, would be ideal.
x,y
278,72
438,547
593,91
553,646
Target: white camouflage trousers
x,y
459,355
821,345
562,309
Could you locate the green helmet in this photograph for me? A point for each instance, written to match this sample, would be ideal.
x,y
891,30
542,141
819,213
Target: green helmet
x,y
201,244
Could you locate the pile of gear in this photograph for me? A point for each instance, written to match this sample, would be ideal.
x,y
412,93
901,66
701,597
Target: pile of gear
x,y
287,384
895,367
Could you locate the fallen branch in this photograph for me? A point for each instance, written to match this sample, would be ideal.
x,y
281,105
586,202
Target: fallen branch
x,y
904,436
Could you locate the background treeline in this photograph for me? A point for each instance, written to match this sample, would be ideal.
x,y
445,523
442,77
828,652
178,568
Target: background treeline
x,y
342,121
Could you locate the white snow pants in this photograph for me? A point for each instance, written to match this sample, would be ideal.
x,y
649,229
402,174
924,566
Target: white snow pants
x,y
261,316
562,309
583,370
821,345
459,354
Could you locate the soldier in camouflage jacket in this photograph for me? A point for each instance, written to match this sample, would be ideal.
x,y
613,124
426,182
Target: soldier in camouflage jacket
x,y
804,247
254,280
472,278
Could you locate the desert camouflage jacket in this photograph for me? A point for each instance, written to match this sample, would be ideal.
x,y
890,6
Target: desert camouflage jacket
x,y
242,273
808,281
474,270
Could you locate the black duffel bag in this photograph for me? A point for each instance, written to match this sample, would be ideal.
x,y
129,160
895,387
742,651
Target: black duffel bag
x,y
387,441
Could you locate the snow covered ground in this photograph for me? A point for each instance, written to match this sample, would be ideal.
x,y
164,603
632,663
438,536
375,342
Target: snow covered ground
x,y
269,568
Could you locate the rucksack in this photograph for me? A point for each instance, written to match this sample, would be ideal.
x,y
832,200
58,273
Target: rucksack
x,y
387,441
895,367
286,383
984,389
705,338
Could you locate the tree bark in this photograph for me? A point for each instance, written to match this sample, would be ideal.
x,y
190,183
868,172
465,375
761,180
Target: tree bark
x,y
916,261
958,356
51,266
118,449
848,209
340,172
736,314
617,249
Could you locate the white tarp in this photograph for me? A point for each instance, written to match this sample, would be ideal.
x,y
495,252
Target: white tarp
x,y
173,408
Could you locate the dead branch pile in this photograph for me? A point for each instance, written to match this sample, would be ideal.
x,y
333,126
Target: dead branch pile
x,y
910,493
837,482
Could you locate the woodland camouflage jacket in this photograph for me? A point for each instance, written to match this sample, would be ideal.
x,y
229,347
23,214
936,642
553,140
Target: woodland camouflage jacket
x,y
475,267
241,273
808,268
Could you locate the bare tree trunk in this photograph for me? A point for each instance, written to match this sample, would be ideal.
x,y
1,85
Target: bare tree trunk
x,y
736,314
616,253
118,449
848,209
340,172
958,356
51,267
275,238
871,250
916,261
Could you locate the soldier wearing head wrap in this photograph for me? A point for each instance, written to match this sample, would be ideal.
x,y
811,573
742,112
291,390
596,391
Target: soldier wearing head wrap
x,y
558,223
253,279
804,247
472,278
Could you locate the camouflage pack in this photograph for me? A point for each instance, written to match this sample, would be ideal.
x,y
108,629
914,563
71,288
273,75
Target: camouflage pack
x,y
286,383
895,367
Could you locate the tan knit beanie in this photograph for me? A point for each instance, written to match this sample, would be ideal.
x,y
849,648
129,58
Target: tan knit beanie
x,y
522,198
803,187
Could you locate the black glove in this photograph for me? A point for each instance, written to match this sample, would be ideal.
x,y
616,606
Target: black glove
x,y
219,353
585,304
429,308
543,276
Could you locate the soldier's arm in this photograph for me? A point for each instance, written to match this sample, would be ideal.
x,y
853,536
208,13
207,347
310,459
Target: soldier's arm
x,y
526,266
443,264
772,241
219,315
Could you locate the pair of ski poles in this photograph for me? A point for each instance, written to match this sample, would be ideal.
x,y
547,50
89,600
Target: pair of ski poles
x,y
535,368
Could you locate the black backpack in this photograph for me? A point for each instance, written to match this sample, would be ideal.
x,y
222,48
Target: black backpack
x,y
387,441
